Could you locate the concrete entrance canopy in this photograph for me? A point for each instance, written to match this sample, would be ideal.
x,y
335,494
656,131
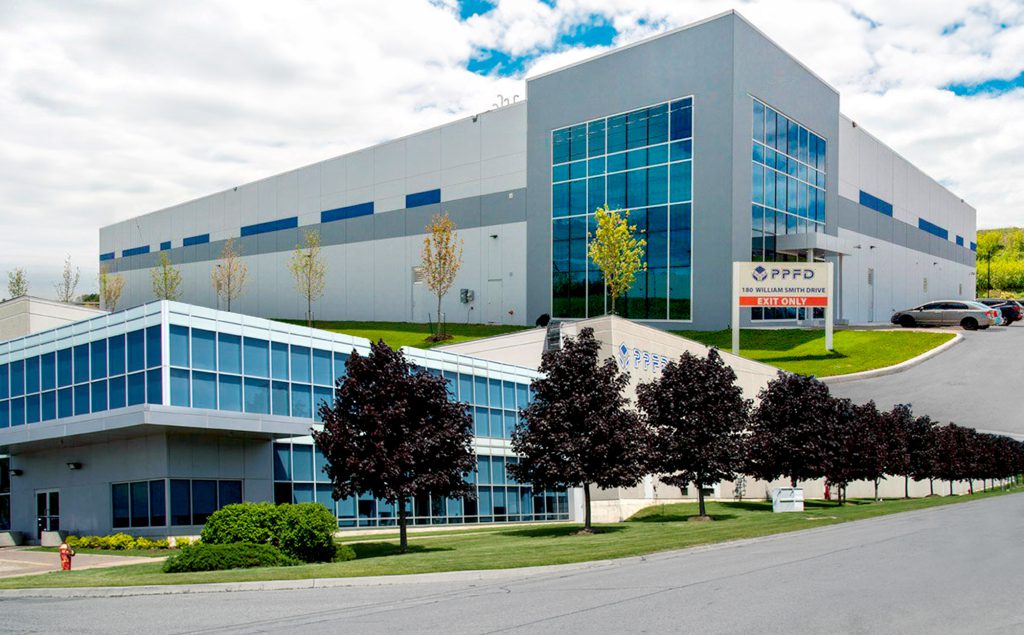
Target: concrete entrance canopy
x,y
821,244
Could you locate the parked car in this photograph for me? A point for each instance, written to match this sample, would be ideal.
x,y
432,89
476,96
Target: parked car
x,y
964,313
1011,310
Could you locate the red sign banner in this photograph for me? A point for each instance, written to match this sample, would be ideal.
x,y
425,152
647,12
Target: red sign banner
x,y
783,301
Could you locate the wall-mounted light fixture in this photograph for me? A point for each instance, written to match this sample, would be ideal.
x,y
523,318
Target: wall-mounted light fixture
x,y
15,472
74,465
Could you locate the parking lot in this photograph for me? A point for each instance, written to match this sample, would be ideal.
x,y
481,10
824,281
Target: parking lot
x,y
976,383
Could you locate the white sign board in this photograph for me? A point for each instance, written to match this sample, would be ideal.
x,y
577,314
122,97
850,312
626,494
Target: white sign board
x,y
781,284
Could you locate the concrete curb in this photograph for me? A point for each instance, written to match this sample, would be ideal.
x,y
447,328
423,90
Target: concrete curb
x,y
897,368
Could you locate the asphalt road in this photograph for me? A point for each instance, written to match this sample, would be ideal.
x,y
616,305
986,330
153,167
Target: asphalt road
x,y
977,383
954,569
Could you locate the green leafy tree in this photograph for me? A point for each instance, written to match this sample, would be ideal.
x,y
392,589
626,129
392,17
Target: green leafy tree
x,y
989,244
442,258
166,279
616,251
17,283
578,430
309,270
697,414
393,432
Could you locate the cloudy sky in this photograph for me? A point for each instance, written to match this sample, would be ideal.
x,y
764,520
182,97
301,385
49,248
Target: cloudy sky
x,y
109,109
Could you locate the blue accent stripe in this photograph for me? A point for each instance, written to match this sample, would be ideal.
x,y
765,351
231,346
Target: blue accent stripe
x,y
960,240
107,256
135,251
271,226
933,229
351,211
875,203
420,199
196,240
164,246
974,246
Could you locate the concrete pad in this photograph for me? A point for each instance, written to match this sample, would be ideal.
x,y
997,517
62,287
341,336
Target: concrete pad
x,y
15,561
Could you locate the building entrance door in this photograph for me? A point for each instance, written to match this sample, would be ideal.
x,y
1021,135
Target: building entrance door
x,y
47,511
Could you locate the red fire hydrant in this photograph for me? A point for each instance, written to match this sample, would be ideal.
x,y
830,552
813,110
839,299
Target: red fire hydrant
x,y
66,554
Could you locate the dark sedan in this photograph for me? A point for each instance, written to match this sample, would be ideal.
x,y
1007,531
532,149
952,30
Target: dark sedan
x,y
1010,309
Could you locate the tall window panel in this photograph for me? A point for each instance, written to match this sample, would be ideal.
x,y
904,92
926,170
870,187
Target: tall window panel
x,y
641,161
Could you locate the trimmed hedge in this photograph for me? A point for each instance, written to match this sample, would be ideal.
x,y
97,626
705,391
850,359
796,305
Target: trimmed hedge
x,y
116,542
304,531
240,555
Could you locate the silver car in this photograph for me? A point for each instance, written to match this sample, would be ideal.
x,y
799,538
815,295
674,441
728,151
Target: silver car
x,y
963,313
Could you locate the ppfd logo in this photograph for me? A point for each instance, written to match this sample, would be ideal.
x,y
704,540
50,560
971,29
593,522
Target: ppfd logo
x,y
760,274
631,357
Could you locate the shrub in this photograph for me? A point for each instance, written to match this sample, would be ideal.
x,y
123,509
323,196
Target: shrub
x,y
343,553
119,542
243,522
306,531
147,543
240,555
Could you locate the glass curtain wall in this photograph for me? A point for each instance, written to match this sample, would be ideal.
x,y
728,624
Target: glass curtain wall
x,y
642,161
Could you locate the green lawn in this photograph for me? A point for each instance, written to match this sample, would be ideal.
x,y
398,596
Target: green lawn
x,y
135,553
397,334
803,351
651,530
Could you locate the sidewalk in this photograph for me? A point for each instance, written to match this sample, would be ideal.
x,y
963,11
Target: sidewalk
x,y
15,561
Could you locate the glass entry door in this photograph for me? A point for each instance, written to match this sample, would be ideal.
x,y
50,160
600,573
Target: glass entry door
x,y
47,511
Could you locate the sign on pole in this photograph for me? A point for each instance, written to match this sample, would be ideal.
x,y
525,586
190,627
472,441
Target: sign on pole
x,y
781,284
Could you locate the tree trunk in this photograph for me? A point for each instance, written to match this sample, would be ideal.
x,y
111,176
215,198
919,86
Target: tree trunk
x,y
931,487
951,487
700,500
876,490
440,332
403,538
906,486
792,481
586,507
309,311
970,485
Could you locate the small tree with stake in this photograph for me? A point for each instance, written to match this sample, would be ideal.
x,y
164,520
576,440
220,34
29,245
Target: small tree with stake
x,y
616,251
393,432
697,414
578,430
442,258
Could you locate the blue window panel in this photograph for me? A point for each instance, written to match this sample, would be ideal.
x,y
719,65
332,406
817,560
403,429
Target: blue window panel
x,y
47,373
279,360
321,396
451,384
115,355
279,397
419,199
98,359
657,185
617,162
595,138
485,505
178,343
31,375
595,167
680,182
319,466
974,246
181,502
99,396
578,197
339,364
118,392
17,411
480,388
164,246
5,413
302,462
229,393
322,373
136,389
875,203
135,251
560,200
82,399
347,508
229,353
960,241
32,409
636,189
282,461
204,349
480,427
47,404
302,401
510,424
323,496
195,240
81,353
136,350
154,387
933,229
107,256
257,357
483,468
681,121
454,507
578,170
497,424
595,193
494,392
522,390
229,493
5,380
560,145
257,396
498,470
616,191
300,363
465,388
270,226
578,142
17,378
657,154
153,347
180,388
302,493
350,211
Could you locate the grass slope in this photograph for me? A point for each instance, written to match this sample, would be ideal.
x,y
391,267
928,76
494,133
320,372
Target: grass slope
x,y
397,334
803,351
651,530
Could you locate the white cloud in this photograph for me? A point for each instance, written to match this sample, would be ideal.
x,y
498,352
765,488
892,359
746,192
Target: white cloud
x,y
113,109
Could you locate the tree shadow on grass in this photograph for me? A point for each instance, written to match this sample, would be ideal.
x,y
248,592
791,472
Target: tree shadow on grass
x,y
750,506
806,358
675,517
366,550
559,531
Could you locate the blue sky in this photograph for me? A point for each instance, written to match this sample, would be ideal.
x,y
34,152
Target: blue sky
x,y
112,110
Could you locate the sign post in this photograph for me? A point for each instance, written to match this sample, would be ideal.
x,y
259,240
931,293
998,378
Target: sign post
x,y
799,285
